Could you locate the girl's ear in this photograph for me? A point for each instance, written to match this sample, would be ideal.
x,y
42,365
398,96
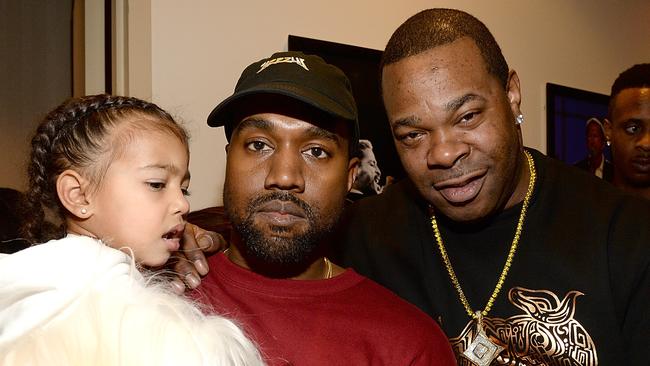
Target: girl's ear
x,y
72,189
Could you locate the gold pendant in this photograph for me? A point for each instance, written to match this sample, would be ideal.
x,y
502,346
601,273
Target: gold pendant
x,y
482,351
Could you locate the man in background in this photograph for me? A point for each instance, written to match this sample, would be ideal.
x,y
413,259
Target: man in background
x,y
595,162
628,130
366,180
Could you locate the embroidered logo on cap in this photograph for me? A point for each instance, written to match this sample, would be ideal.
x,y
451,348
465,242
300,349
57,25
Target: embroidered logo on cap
x,y
291,60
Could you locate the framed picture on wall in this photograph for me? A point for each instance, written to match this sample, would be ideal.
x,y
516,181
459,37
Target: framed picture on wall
x,y
567,112
361,65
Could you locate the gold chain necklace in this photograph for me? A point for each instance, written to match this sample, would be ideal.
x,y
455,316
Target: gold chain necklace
x,y
328,275
482,351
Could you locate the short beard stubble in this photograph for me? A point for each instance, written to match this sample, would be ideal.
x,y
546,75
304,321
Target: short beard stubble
x,y
278,256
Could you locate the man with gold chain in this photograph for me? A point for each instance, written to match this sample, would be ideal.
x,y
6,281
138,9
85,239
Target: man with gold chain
x,y
521,259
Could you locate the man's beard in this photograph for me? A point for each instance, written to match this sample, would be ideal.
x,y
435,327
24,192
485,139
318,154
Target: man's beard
x,y
279,256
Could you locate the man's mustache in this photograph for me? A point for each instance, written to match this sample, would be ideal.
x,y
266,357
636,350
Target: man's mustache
x,y
285,196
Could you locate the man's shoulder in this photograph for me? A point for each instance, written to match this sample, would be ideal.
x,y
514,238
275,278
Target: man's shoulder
x,y
385,301
397,317
396,199
576,196
578,186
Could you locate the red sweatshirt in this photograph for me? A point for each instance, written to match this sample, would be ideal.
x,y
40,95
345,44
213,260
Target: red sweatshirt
x,y
345,320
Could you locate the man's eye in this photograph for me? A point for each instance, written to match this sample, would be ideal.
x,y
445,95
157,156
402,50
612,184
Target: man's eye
x,y
632,129
468,117
258,146
156,186
317,152
408,137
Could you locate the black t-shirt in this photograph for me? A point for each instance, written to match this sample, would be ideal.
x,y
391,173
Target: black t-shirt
x,y
578,291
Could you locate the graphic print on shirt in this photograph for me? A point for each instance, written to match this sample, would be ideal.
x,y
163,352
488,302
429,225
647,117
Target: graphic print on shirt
x,y
547,334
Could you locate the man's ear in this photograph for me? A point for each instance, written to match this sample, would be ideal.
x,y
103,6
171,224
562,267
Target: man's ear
x,y
72,189
513,91
353,166
607,126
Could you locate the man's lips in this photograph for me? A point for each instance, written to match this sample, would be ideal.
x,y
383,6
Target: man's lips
x,y
641,163
461,189
281,212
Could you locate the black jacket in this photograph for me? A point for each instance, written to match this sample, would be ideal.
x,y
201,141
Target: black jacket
x,y
578,291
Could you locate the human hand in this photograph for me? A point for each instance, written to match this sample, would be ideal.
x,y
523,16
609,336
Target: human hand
x,y
190,263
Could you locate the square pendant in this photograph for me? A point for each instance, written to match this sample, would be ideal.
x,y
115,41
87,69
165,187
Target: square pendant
x,y
482,351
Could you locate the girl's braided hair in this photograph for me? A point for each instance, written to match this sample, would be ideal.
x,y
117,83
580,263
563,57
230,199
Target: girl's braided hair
x,y
77,135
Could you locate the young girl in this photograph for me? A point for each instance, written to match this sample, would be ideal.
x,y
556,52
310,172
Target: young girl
x,y
115,172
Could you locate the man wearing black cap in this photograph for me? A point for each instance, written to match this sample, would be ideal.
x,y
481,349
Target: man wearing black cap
x,y
292,130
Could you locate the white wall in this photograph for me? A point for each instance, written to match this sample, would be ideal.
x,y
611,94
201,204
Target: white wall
x,y
199,48
94,56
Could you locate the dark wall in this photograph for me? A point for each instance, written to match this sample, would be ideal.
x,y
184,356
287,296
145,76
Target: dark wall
x,y
35,75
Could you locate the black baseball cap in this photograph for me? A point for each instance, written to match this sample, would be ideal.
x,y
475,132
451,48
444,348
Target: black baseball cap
x,y
304,78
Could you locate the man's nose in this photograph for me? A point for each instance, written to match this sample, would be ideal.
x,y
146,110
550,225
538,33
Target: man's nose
x,y
644,140
285,171
445,150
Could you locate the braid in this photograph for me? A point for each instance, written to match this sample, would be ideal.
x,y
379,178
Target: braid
x,y
74,136
41,190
